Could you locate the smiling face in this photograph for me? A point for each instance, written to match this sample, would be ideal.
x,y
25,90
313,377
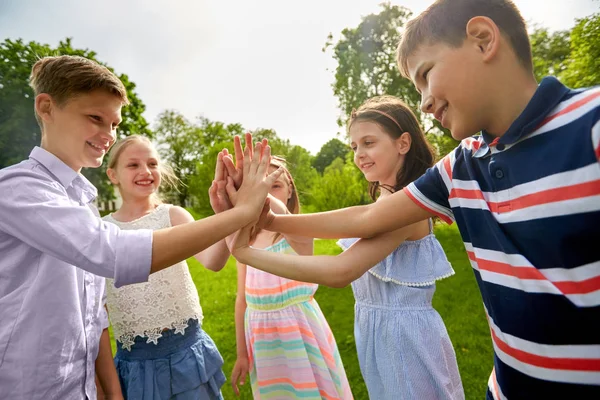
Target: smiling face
x,y
80,131
137,172
453,87
376,154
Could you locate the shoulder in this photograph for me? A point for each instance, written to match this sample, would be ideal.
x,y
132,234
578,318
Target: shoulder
x,y
179,215
27,182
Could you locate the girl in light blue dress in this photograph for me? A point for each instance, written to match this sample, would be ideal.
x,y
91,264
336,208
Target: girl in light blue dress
x,y
403,347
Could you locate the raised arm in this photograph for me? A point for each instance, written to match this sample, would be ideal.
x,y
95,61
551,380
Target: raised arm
x,y
389,214
334,271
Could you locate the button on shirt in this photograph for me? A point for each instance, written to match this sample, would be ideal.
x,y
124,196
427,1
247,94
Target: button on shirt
x,y
54,254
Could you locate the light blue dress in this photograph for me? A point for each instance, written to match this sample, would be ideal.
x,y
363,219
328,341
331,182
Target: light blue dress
x,y
404,350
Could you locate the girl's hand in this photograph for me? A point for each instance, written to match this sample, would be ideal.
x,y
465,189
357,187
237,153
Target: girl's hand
x,y
236,171
217,194
257,183
240,372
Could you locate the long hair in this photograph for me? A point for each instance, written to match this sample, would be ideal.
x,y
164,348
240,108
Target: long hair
x,y
395,118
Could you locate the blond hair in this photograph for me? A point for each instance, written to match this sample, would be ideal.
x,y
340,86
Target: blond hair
x,y
168,177
64,77
445,22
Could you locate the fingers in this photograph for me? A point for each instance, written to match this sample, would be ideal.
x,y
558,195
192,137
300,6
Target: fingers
x,y
229,166
248,145
219,167
230,189
239,152
263,165
235,375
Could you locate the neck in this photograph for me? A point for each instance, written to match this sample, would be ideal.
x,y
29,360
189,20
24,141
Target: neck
x,y
511,97
62,155
134,208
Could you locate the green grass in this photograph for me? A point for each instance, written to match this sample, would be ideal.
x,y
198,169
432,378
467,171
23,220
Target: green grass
x,y
457,299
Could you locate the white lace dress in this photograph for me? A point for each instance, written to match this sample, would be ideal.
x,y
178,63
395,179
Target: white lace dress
x,y
159,321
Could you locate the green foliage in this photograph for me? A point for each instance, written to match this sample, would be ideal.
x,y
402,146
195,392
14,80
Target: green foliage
x,y
19,131
583,66
331,150
342,185
550,52
367,67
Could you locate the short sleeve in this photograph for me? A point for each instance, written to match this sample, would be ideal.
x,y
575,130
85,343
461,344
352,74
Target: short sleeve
x,y
432,190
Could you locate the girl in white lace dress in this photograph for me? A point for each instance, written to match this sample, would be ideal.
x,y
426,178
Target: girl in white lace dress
x,y
162,351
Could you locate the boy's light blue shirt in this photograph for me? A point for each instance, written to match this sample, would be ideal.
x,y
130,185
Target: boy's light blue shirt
x,y
54,254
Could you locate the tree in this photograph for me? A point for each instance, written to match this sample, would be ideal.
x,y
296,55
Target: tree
x,y
330,151
342,185
550,52
583,66
299,163
180,145
366,58
367,67
19,131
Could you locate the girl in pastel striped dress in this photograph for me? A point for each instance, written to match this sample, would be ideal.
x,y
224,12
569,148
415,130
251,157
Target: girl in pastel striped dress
x,y
283,339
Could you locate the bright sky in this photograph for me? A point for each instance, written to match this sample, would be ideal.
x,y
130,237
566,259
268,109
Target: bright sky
x,y
255,62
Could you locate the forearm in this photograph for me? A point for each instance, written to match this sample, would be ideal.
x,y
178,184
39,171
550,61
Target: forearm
x,y
105,368
215,257
387,215
171,245
324,270
335,271
240,332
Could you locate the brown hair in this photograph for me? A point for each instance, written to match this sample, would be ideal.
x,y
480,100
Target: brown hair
x,y
63,77
168,177
293,203
445,22
395,118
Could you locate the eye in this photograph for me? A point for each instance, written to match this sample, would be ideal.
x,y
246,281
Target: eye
x,y
368,142
96,118
353,148
425,73
153,164
132,165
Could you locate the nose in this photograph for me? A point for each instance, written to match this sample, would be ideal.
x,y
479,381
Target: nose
x,y
427,103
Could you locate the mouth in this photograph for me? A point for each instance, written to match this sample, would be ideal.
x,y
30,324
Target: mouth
x,y
145,182
440,114
366,166
98,148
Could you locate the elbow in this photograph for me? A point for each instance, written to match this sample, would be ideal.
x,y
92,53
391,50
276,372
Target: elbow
x,y
339,281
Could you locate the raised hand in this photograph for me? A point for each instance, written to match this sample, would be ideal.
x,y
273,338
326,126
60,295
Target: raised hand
x,y
217,194
256,183
236,171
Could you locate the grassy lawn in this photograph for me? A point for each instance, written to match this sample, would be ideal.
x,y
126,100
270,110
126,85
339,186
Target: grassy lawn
x,y
457,299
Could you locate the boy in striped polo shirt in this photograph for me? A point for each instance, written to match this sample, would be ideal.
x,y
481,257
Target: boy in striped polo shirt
x,y
525,194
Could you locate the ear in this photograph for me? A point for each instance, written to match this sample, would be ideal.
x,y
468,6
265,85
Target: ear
x,y
484,35
44,106
403,143
112,175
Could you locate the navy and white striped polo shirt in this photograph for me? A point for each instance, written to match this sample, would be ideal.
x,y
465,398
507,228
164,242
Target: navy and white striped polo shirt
x,y
528,208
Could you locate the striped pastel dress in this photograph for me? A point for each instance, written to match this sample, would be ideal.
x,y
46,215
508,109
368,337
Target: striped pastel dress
x,y
291,349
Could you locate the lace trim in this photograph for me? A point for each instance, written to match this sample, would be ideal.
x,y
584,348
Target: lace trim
x,y
128,339
413,284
